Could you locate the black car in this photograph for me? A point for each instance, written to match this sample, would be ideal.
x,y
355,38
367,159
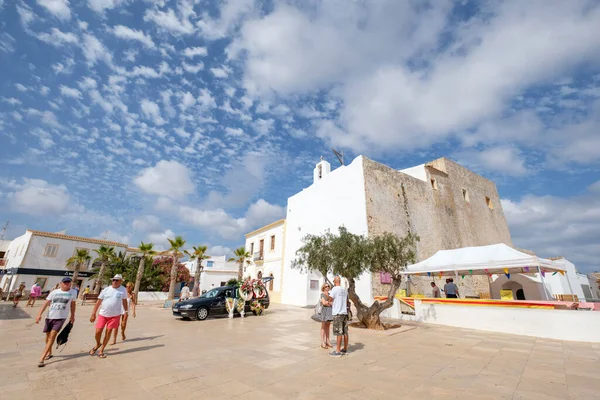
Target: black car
x,y
211,303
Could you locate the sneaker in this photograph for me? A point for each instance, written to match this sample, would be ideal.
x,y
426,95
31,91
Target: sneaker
x,y
335,354
344,351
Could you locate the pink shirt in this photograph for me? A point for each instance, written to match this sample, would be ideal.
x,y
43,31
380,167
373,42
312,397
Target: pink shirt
x,y
36,291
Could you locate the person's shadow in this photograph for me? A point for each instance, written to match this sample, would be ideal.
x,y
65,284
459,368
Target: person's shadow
x,y
109,352
8,312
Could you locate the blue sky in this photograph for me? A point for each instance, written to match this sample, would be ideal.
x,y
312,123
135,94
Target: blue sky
x,y
148,119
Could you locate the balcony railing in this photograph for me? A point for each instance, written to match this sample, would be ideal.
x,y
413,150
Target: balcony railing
x,y
258,256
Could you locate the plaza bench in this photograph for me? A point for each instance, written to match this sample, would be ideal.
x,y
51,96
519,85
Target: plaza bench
x,y
90,297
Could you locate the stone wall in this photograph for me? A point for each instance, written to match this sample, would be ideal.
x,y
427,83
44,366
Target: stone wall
x,y
441,216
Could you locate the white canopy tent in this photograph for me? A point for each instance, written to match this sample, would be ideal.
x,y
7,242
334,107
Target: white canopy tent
x,y
483,260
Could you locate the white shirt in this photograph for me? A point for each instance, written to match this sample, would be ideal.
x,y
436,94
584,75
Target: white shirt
x,y
185,292
340,300
112,301
60,303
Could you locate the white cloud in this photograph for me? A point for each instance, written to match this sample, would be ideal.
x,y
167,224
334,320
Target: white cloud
x,y
27,16
192,69
192,52
187,100
38,197
57,38
21,88
506,160
206,100
7,42
396,89
59,8
217,251
146,223
159,239
100,6
263,126
234,132
167,178
219,72
127,33
553,226
230,15
94,50
47,117
70,92
171,21
152,112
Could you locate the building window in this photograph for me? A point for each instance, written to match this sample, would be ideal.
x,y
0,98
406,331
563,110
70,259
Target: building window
x,y
51,250
466,195
41,282
489,203
314,284
252,248
320,171
273,242
261,249
385,278
223,283
210,263
434,184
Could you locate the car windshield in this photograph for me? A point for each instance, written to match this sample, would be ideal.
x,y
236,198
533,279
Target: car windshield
x,y
210,294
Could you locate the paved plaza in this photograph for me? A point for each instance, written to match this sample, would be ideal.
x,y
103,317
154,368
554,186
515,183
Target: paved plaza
x,y
277,356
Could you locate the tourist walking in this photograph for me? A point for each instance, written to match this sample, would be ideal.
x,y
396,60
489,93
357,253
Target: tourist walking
x,y
18,294
339,311
325,316
111,301
451,289
34,293
435,291
61,302
185,292
131,303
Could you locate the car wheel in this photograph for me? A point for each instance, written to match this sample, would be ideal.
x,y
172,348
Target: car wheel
x,y
202,313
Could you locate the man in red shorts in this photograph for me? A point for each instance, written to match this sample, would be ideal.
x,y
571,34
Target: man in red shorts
x,y
111,301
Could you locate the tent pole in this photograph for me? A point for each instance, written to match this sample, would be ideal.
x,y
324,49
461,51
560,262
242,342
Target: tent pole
x,y
569,282
543,283
489,279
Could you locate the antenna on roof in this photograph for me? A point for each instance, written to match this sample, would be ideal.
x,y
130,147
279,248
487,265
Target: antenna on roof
x,y
4,230
339,155
105,235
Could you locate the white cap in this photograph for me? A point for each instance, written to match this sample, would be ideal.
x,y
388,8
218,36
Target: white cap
x,y
117,277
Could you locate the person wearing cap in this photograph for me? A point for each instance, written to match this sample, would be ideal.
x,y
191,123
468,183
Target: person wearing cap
x,y
60,301
111,301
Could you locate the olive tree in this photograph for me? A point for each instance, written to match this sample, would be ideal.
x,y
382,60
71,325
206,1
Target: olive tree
x,y
350,255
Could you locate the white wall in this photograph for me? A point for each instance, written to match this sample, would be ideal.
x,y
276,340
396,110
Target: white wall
x,y
152,296
568,325
215,277
416,172
272,259
337,199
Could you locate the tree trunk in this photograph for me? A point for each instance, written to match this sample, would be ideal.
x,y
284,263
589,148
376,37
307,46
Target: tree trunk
x,y
241,271
370,316
196,291
138,277
171,295
98,284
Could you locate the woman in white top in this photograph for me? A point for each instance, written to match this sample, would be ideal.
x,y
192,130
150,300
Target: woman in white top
x,y
125,315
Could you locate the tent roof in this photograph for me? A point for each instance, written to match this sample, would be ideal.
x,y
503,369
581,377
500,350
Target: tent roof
x,y
482,260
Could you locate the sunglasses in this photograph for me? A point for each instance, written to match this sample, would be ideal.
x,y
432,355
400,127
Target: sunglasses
x,y
116,280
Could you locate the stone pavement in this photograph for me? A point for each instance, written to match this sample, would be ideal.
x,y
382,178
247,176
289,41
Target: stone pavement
x,y
277,356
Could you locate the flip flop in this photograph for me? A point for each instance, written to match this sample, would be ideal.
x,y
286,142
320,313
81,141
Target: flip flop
x,y
94,350
48,357
41,364
101,355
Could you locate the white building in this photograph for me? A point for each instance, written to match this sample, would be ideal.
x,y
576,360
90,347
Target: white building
x,y
266,245
42,257
217,271
530,287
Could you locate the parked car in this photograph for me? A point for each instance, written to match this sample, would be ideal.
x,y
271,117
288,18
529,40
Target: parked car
x,y
211,303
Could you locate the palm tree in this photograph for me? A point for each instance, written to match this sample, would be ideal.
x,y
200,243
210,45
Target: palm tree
x,y
241,257
105,254
176,245
199,254
79,259
147,250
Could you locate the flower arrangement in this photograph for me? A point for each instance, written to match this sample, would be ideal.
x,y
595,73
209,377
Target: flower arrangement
x,y
256,307
229,304
240,307
246,290
259,289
